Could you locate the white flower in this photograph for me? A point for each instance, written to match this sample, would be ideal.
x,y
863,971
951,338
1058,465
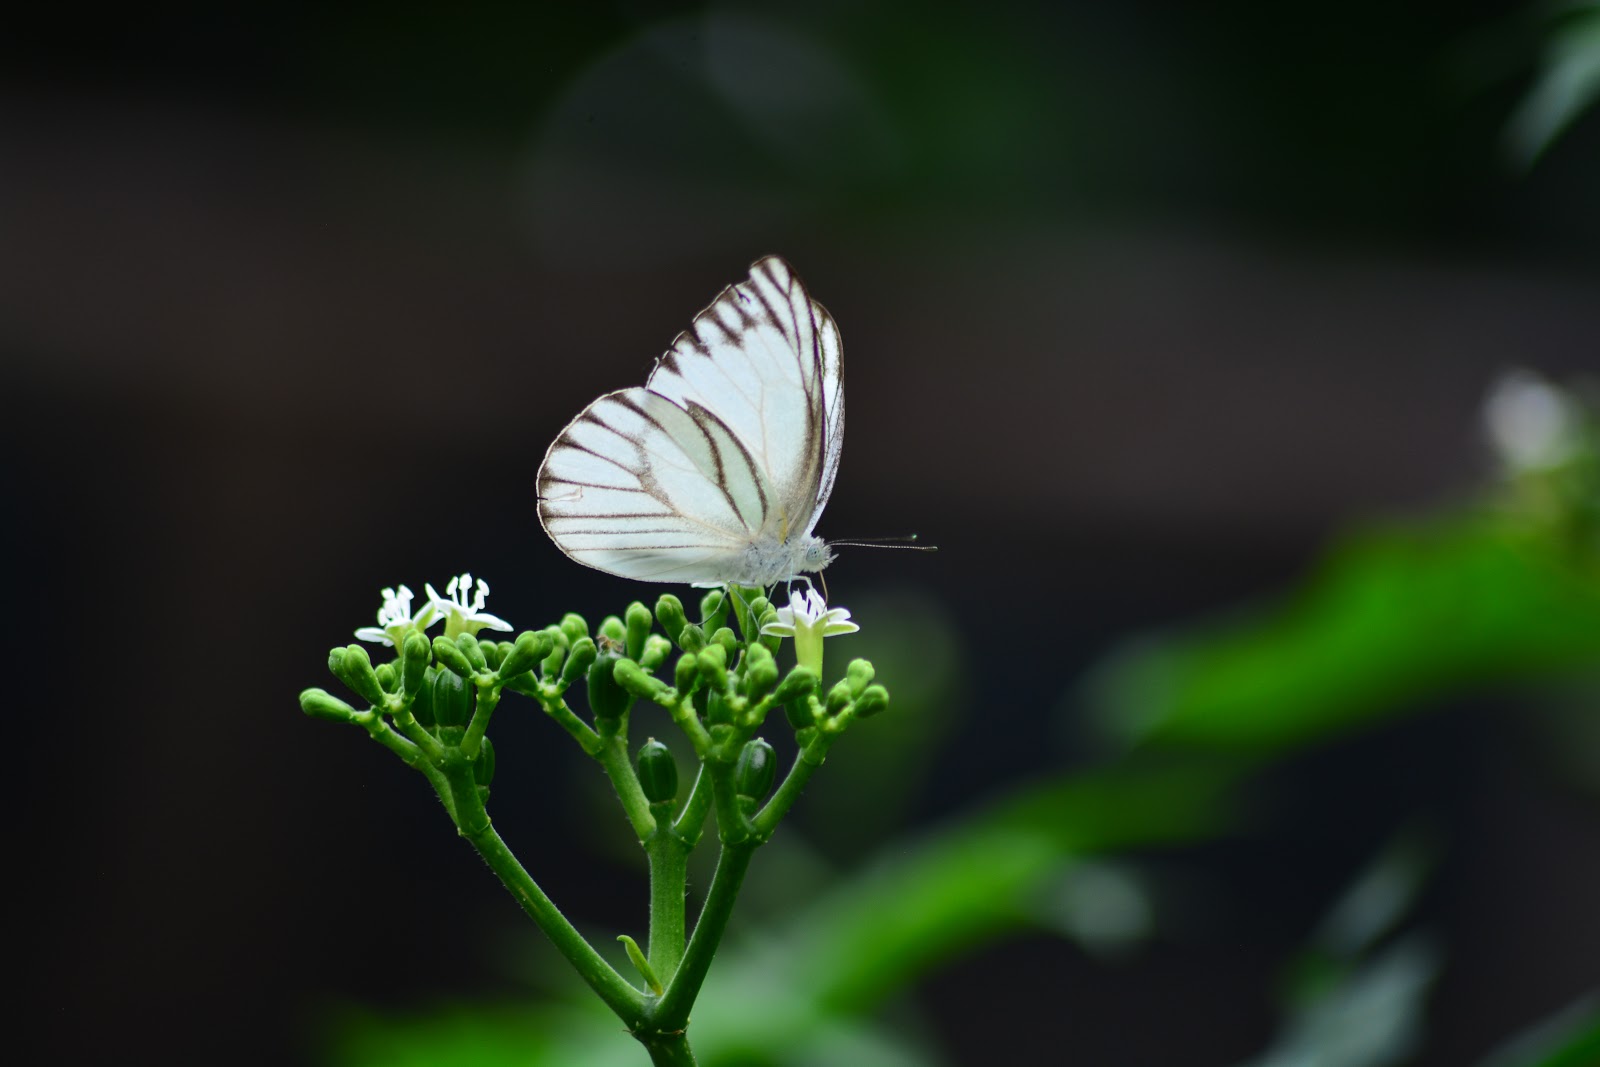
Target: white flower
x,y
808,619
395,618
463,616
1533,424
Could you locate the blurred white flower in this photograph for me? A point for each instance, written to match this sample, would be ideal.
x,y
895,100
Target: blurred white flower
x,y
1532,424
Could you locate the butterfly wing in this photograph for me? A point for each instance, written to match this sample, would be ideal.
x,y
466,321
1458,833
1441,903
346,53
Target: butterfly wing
x,y
734,441
766,358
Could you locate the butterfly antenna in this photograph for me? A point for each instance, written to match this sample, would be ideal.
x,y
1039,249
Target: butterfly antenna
x,y
904,541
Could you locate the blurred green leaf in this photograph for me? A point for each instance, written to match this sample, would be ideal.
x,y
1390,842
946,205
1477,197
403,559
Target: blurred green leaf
x,y
1567,85
1393,618
1569,1039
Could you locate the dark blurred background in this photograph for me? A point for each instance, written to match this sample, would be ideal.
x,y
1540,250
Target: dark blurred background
x,y
1142,304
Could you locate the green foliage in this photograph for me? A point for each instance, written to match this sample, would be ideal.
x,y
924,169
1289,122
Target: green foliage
x,y
1392,619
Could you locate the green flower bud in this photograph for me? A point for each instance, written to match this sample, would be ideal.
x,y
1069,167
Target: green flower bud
x,y
530,647
355,670
468,644
450,655
612,630
796,685
452,699
713,610
422,706
632,677
655,653
494,652
859,675
579,660
728,640
873,699
336,662
838,697
638,628
574,626
607,698
669,613
658,772
686,673
321,704
713,662
748,606
414,656
760,673
386,676
691,638
757,766
551,667
483,766
798,712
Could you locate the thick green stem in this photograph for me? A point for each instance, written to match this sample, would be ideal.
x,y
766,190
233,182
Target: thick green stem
x,y
613,756
669,858
806,761
488,698
668,1050
618,994
692,819
671,1012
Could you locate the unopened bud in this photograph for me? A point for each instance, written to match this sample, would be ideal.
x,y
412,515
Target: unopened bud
x,y
450,654
530,647
607,698
321,704
468,644
637,627
414,656
691,638
655,653
579,660
859,675
669,613
658,772
760,673
354,669
632,677
452,699
574,626
873,699
387,678
713,662
757,766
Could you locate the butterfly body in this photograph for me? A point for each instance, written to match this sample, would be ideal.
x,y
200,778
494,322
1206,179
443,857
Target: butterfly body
x,y
717,470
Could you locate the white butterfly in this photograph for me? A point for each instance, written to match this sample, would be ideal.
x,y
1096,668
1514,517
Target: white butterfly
x,y
718,469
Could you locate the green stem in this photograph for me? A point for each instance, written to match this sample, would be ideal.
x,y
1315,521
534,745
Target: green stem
x,y
484,705
806,761
692,819
669,860
556,707
613,756
611,987
671,1012
733,826
667,1049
